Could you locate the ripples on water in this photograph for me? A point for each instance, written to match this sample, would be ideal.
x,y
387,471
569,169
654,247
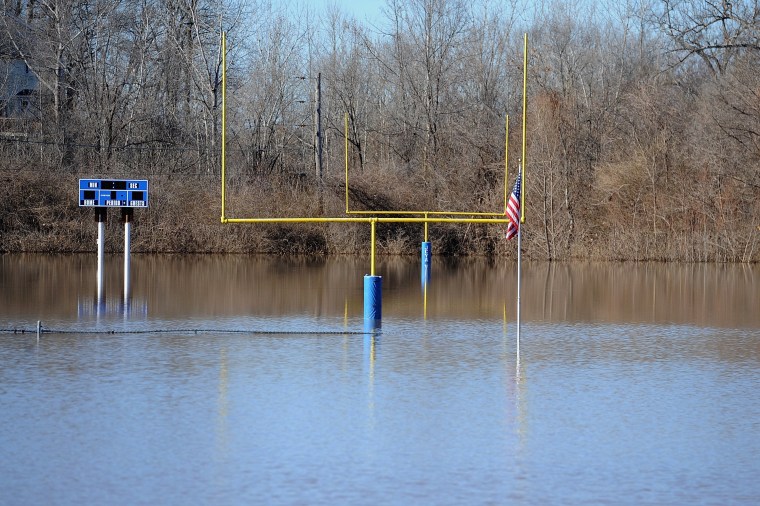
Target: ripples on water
x,y
433,411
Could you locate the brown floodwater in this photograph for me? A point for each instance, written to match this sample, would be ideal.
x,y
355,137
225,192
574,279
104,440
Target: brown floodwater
x,y
711,295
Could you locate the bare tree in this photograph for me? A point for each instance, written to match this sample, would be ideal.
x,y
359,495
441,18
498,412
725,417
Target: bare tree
x,y
427,44
271,100
716,32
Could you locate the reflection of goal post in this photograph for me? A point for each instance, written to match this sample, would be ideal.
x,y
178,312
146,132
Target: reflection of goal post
x,y
373,217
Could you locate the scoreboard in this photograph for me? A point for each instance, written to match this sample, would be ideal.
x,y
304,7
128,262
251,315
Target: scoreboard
x,y
113,193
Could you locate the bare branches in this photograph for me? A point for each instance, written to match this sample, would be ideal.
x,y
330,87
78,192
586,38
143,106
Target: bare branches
x,y
716,32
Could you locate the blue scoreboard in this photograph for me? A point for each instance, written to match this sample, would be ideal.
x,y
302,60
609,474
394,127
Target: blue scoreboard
x,y
113,193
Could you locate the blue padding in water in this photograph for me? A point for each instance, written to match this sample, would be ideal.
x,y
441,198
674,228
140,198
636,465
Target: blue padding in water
x,y
373,297
426,255
426,258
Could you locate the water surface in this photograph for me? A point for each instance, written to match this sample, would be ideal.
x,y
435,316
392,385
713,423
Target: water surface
x,y
635,384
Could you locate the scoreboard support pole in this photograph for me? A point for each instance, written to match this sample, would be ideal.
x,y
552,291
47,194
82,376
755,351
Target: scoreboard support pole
x,y
101,215
126,194
127,213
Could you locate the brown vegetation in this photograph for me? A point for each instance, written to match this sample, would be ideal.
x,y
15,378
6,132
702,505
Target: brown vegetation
x,y
644,124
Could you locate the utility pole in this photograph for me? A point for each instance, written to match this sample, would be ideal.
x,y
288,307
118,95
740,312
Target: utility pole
x,y
318,129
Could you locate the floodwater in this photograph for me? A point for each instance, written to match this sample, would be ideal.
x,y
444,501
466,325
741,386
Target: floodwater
x,y
244,380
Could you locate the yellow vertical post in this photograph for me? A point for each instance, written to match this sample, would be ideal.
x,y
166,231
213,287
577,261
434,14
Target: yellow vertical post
x,y
524,128
345,134
373,288
224,120
372,249
506,164
425,254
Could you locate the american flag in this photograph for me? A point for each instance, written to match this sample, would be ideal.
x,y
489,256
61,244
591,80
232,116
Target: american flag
x,y
513,210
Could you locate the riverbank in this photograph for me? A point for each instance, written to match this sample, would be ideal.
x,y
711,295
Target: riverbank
x,y
39,213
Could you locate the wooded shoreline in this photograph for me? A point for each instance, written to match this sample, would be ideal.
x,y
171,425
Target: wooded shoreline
x,y
40,214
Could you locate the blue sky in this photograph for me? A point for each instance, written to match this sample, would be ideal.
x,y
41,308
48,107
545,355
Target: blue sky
x,y
362,10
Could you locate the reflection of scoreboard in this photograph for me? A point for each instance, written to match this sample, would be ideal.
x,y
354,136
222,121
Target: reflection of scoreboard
x,y
113,193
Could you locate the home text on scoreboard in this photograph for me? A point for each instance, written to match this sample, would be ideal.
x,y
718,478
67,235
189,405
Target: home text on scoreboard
x,y
113,193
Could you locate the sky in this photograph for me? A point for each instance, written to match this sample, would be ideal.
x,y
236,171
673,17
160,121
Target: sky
x,y
362,10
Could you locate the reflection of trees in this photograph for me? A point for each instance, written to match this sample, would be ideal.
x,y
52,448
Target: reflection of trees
x,y
210,285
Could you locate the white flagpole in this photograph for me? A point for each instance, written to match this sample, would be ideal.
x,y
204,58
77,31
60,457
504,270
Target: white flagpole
x,y
522,189
519,279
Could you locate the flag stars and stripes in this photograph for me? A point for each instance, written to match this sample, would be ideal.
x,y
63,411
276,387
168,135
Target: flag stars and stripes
x,y
513,210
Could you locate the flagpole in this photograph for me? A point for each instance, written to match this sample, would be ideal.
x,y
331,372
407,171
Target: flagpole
x,y
523,161
519,279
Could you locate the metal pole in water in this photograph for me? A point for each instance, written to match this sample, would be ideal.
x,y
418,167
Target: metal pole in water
x,y
519,279
101,216
523,163
126,216
373,291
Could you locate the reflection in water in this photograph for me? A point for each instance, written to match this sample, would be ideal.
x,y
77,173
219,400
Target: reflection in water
x,y
425,299
131,308
227,286
370,343
221,445
521,457
629,387
698,294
